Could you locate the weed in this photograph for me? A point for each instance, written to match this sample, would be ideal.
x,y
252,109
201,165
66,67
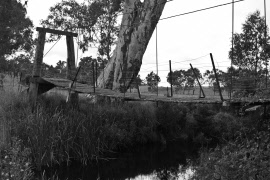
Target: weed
x,y
15,162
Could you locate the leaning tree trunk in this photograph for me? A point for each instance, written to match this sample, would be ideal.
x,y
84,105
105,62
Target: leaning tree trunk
x,y
138,24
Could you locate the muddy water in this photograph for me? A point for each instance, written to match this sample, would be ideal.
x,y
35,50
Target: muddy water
x,y
170,162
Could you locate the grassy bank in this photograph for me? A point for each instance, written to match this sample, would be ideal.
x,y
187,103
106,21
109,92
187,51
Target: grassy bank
x,y
60,133
243,155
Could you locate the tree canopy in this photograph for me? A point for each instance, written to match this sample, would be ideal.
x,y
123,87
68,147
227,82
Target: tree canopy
x,y
152,80
95,21
184,78
251,47
16,28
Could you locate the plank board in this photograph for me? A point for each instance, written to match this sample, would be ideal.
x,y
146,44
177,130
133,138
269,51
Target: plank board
x,y
87,89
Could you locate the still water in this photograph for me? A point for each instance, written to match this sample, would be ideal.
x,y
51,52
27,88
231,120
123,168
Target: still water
x,y
170,162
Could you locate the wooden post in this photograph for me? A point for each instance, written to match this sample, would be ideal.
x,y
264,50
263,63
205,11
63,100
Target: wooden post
x,y
33,89
171,77
74,97
71,58
265,36
93,68
96,73
232,58
121,67
138,88
216,76
201,89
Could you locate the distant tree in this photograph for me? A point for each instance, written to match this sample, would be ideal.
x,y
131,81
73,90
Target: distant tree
x,y
251,47
136,81
60,65
107,27
210,78
152,80
23,64
184,79
238,82
15,27
177,78
86,72
190,77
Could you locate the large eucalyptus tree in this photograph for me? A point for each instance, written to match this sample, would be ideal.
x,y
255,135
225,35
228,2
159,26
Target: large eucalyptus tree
x,y
138,23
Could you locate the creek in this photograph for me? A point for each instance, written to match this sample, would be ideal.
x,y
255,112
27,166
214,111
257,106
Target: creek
x,y
150,162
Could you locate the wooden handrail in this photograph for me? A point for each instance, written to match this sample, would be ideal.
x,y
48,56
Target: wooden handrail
x,y
48,30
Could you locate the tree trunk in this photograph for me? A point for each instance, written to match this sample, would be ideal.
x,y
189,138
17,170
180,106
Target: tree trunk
x,y
138,23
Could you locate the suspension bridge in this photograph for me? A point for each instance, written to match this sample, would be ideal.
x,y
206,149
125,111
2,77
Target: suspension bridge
x,y
39,85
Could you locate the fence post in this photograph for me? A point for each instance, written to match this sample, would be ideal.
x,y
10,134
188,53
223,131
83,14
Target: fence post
x,y
138,88
73,96
171,77
33,89
201,89
96,73
93,68
216,76
70,57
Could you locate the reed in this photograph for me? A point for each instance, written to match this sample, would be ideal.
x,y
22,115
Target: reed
x,y
58,133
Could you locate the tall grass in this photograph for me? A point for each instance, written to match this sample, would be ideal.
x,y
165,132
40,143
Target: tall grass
x,y
58,133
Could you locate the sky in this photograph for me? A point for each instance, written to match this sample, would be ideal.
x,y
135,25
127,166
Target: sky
x,y
183,39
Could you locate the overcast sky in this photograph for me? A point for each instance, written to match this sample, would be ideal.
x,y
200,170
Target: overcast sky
x,y
180,39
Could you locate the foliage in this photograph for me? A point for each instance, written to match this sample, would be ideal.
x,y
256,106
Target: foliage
x,y
16,65
136,81
16,28
184,78
15,162
96,22
251,47
152,80
224,126
172,119
86,72
246,157
210,77
58,133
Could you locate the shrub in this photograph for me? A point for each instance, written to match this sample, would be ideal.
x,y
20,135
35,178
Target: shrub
x,y
171,119
224,126
246,157
15,162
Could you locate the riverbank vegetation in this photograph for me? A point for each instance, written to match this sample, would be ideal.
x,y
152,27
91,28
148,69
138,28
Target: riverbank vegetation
x,y
244,156
57,133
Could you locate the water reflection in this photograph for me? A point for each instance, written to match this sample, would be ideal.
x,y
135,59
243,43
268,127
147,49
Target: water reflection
x,y
144,163
182,174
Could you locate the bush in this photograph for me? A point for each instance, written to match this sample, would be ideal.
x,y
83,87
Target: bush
x,y
171,120
15,162
224,126
246,157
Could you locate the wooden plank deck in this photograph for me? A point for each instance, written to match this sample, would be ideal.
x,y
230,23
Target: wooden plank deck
x,y
87,89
